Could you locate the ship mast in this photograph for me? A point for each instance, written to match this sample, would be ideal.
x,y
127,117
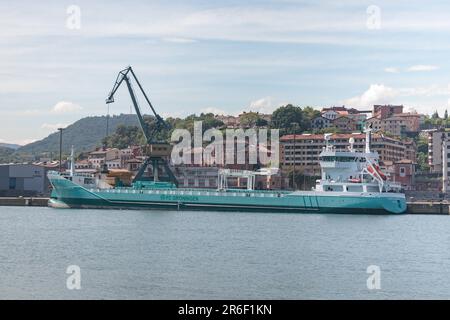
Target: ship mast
x,y
368,132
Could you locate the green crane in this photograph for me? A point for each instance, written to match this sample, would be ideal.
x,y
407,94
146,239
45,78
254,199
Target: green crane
x,y
156,151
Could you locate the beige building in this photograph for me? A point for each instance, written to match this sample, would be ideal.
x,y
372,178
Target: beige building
x,y
344,123
110,156
397,124
303,149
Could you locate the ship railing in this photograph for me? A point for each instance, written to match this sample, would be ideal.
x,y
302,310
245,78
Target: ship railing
x,y
194,192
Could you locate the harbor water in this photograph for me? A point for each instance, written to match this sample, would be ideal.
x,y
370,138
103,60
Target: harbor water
x,y
126,254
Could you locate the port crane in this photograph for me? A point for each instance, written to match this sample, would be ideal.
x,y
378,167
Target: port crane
x,y
156,151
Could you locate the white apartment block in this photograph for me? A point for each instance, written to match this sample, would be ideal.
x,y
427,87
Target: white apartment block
x,y
435,138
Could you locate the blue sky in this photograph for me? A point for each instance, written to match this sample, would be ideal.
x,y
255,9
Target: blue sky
x,y
222,56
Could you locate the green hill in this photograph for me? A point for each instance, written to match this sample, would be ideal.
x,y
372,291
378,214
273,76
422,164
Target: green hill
x,y
10,145
7,155
85,134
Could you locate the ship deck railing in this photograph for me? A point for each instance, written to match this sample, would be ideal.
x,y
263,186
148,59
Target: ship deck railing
x,y
196,192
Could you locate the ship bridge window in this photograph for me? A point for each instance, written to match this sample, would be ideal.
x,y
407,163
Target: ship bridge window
x,y
339,159
332,188
354,188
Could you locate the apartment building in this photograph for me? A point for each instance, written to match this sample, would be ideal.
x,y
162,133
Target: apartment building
x,y
391,119
129,153
303,149
110,156
386,111
321,123
402,172
435,139
342,118
235,121
344,123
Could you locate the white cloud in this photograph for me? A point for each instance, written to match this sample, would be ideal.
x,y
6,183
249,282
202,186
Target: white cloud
x,y
66,107
391,70
214,110
376,94
25,141
53,126
427,91
264,105
422,67
179,40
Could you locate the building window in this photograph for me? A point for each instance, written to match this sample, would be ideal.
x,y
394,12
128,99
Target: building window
x,y
402,171
12,183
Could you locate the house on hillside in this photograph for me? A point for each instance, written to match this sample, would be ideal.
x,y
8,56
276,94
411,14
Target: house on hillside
x,y
320,122
345,124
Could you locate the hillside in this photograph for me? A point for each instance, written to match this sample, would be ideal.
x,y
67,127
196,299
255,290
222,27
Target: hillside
x,y
85,134
6,155
10,145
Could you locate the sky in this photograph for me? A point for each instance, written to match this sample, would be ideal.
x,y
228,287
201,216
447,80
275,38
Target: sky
x,y
59,59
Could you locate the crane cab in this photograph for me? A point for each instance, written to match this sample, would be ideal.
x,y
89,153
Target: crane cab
x,y
158,150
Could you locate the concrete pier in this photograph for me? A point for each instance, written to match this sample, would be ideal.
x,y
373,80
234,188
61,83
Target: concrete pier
x,y
24,201
428,207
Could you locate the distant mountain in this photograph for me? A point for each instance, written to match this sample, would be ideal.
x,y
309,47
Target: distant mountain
x,y
6,155
10,145
85,134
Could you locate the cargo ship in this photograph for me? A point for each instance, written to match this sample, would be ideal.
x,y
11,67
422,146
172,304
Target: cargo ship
x,y
351,183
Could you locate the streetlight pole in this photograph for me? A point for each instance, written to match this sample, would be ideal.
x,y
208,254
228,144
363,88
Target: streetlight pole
x,y
60,148
444,165
293,171
295,126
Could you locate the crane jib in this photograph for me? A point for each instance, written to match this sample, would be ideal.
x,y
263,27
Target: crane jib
x,y
155,150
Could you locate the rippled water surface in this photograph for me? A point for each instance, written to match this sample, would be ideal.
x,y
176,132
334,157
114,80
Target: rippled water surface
x,y
213,255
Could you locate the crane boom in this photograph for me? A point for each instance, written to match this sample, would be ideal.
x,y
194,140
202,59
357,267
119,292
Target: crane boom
x,y
156,150
159,122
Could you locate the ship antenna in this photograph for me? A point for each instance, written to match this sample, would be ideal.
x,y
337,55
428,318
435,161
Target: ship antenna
x,y
72,162
368,131
327,137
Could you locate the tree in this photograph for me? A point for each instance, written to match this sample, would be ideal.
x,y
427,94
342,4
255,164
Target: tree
x,y
252,119
435,115
289,119
310,113
422,144
422,162
124,136
248,119
261,122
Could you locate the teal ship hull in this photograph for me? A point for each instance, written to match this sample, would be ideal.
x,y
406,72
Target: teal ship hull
x,y
67,194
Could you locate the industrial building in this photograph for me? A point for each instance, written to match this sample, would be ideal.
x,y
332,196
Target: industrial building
x,y
23,180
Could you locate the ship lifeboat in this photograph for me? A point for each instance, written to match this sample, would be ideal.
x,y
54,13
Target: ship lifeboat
x,y
373,168
354,180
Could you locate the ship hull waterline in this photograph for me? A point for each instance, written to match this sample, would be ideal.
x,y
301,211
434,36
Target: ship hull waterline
x,y
69,195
